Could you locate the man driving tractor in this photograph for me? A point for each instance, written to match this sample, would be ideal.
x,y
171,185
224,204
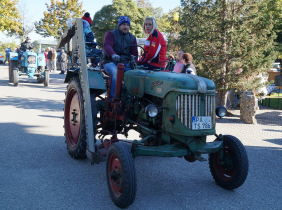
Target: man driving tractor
x,y
119,47
26,45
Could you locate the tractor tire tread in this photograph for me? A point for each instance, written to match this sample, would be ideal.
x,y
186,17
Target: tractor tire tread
x,y
124,153
242,164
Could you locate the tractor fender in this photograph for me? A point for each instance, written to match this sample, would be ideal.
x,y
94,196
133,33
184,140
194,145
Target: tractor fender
x,y
95,78
14,56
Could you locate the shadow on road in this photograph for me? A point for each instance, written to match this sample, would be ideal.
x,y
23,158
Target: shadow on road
x,y
39,170
228,120
50,116
274,141
26,82
32,103
57,76
4,82
270,118
272,130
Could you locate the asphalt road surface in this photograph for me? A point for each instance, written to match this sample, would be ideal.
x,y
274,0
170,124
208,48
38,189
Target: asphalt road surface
x,y
36,171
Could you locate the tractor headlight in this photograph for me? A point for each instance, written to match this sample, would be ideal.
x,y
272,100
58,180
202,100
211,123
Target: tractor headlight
x,y
220,111
151,110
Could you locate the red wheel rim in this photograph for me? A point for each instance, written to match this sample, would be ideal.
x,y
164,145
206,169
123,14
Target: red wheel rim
x,y
224,168
72,117
115,175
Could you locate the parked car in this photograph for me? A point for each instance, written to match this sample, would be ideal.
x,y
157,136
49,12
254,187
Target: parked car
x,y
276,91
2,59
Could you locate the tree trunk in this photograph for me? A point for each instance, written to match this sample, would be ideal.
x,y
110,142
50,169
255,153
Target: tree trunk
x,y
221,98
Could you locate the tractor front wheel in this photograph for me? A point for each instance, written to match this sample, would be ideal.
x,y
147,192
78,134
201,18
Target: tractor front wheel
x,y
229,166
15,77
74,122
121,174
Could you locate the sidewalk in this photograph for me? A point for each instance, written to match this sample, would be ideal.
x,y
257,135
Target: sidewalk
x,y
267,132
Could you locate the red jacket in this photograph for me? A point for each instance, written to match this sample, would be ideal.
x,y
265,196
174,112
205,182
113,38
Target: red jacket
x,y
154,50
88,19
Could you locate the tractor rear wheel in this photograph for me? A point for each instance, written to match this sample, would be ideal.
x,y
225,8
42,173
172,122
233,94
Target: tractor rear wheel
x,y
229,166
74,121
15,78
121,174
46,78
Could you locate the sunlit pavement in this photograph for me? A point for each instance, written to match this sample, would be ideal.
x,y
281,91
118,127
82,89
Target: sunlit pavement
x,y
37,173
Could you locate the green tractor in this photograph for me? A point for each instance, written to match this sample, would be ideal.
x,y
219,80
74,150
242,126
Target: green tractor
x,y
173,113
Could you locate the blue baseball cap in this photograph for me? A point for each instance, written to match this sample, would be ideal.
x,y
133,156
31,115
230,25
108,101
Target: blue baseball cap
x,y
123,19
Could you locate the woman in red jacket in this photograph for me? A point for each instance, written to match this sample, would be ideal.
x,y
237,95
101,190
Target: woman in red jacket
x,y
154,56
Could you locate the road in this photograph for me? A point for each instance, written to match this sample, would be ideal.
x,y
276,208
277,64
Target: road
x,y
36,171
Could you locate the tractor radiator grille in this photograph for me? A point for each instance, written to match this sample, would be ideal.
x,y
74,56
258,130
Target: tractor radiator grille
x,y
194,105
31,59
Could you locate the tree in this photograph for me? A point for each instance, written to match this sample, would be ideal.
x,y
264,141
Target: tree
x,y
275,7
227,37
106,19
171,27
4,45
10,17
27,26
54,21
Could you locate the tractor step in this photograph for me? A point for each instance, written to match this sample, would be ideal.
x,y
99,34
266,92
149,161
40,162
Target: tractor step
x,y
168,150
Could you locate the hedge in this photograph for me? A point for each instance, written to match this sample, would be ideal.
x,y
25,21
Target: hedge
x,y
273,102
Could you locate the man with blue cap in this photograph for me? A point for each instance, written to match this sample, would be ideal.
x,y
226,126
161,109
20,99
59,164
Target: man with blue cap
x,y
119,47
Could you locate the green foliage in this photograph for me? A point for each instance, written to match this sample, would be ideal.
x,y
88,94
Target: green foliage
x,y
275,8
171,27
54,21
10,17
232,41
106,19
4,45
36,46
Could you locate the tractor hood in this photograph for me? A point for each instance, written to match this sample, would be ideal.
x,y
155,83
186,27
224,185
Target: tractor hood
x,y
159,83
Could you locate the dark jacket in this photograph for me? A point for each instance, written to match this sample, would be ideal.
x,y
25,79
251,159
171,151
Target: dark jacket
x,y
26,46
49,55
124,45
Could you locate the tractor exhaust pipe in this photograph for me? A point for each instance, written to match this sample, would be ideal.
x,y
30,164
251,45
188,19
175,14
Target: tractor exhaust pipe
x,y
120,73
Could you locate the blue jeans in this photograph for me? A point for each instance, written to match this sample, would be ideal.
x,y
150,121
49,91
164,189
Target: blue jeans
x,y
111,69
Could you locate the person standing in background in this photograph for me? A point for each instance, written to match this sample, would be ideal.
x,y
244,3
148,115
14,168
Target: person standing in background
x,y
7,51
64,60
49,59
54,59
45,52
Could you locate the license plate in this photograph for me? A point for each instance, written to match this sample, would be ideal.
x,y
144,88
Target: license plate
x,y
201,122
